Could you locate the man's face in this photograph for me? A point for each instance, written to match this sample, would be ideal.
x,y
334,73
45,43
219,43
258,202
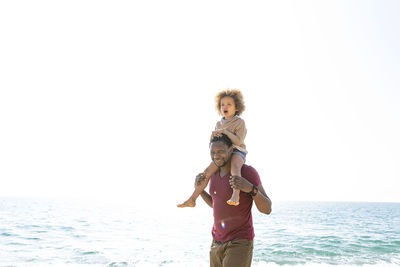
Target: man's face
x,y
220,153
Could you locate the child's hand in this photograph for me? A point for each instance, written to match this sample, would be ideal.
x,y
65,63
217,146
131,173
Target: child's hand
x,y
217,133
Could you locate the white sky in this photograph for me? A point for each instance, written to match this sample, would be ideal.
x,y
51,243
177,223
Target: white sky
x,y
115,99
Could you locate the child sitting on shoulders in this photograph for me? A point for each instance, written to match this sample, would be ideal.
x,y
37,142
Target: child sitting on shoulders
x,y
230,105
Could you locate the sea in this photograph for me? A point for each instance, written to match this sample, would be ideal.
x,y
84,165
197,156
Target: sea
x,y
53,232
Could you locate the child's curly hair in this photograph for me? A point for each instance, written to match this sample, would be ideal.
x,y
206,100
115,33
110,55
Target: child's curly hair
x,y
236,95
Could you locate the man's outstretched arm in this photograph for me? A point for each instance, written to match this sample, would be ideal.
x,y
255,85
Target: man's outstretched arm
x,y
204,195
263,203
207,198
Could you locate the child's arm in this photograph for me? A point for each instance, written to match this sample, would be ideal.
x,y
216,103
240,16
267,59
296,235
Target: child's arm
x,y
237,138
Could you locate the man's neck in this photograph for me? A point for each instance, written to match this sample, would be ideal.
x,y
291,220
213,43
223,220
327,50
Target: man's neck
x,y
224,170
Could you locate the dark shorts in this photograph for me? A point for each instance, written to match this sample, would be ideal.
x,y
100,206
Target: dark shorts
x,y
234,253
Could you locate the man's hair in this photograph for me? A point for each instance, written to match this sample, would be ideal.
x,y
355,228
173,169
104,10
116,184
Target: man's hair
x,y
223,138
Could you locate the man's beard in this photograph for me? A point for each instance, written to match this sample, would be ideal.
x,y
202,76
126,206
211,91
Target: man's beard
x,y
223,164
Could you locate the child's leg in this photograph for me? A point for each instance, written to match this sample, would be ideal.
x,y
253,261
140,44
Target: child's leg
x,y
237,162
191,202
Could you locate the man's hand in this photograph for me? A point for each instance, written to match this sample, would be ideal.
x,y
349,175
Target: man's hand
x,y
200,178
238,182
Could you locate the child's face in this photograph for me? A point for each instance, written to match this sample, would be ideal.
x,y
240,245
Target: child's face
x,y
228,108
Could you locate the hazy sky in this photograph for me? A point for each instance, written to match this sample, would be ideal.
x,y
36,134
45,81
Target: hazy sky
x,y
115,99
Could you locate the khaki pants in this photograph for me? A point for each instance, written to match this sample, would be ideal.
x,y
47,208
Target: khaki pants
x,y
234,253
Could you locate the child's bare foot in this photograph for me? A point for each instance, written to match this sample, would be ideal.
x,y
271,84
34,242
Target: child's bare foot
x,y
188,203
232,203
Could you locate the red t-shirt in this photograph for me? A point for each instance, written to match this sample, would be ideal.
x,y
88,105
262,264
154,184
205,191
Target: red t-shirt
x,y
232,222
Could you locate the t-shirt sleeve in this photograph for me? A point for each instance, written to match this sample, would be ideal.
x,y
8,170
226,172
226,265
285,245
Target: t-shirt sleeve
x,y
251,175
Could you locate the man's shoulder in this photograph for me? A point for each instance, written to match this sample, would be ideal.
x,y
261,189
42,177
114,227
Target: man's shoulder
x,y
249,169
251,174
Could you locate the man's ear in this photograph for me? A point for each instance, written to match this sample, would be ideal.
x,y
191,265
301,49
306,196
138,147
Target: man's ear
x,y
231,150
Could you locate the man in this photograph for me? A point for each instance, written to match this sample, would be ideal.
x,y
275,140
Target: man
x,y
233,230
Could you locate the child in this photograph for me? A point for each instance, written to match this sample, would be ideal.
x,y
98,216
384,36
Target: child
x,y
230,105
